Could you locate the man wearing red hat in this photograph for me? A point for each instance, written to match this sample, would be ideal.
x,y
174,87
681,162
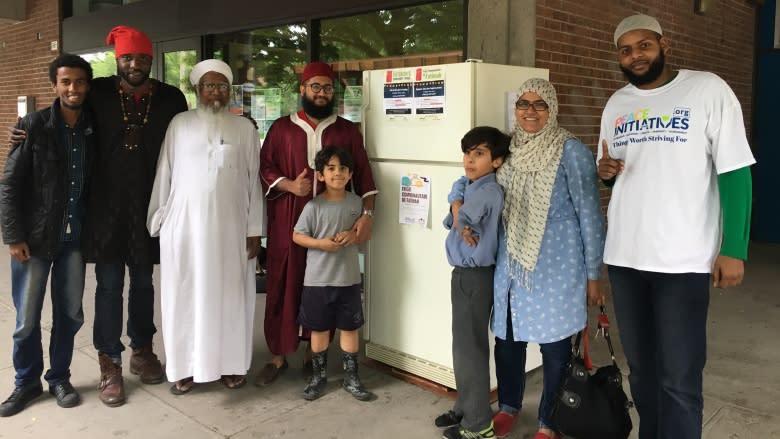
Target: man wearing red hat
x,y
133,112
286,171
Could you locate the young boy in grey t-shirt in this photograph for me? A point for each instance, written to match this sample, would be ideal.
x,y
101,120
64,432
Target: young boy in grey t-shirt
x,y
331,284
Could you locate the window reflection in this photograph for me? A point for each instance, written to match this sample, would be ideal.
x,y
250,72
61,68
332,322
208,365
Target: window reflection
x,y
413,36
266,64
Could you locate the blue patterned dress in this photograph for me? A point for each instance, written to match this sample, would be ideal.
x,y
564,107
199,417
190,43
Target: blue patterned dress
x,y
553,306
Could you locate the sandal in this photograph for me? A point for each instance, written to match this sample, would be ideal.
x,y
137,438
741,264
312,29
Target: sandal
x,y
233,381
182,386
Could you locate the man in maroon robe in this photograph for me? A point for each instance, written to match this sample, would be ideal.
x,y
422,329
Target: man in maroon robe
x,y
287,172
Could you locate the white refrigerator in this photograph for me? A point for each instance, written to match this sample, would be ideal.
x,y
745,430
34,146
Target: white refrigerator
x,y
413,120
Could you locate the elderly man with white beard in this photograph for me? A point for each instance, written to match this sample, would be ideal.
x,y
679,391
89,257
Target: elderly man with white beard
x,y
207,208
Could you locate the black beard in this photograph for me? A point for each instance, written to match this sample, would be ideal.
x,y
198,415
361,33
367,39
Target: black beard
x,y
318,112
126,77
653,73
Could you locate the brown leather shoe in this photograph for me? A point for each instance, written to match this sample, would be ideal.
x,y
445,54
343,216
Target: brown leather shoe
x,y
145,364
269,373
112,385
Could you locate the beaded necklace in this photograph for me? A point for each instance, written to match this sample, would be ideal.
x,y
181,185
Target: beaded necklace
x,y
148,105
133,130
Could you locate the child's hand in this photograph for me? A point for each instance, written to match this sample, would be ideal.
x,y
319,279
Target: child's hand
x,y
345,238
455,208
471,240
329,244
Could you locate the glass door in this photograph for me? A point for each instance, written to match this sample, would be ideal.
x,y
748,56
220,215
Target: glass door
x,y
178,58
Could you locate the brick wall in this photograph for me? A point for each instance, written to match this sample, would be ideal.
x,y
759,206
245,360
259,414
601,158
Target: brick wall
x,y
574,41
25,60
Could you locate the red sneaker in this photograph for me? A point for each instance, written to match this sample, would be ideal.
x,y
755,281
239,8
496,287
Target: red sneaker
x,y
503,423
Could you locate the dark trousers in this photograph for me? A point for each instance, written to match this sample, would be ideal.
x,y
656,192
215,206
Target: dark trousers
x,y
663,328
510,372
109,307
472,300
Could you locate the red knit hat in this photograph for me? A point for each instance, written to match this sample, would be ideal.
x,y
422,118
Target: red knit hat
x,y
129,40
317,68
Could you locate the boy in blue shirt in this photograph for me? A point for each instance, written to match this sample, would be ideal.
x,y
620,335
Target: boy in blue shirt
x,y
331,284
471,249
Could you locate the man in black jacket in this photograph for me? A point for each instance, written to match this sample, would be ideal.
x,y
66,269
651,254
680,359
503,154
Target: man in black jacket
x,y
41,213
132,112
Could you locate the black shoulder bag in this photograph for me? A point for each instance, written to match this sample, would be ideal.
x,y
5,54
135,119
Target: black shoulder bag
x,y
592,406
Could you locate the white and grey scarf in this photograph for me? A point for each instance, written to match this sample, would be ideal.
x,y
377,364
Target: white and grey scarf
x,y
527,178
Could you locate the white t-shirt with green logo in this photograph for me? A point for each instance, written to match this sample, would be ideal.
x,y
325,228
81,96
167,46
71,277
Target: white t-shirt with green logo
x,y
664,214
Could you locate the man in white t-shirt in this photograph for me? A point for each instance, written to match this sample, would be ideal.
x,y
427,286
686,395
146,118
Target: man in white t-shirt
x,y
674,151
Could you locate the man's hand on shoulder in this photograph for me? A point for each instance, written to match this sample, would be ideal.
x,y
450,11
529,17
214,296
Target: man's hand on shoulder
x,y
16,135
19,251
727,272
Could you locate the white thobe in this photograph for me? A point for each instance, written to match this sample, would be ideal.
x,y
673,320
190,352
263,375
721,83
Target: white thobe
x,y
206,201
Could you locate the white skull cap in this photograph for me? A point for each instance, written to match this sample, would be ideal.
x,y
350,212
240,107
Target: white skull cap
x,y
635,22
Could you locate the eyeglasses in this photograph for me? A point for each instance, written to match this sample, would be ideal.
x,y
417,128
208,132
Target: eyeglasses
x,y
317,87
211,86
538,105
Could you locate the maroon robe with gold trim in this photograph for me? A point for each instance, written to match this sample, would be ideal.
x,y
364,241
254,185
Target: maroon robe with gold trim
x,y
288,149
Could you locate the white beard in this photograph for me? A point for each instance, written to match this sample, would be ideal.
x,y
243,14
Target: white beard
x,y
214,116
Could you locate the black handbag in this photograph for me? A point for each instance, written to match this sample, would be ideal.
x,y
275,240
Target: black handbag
x,y
592,406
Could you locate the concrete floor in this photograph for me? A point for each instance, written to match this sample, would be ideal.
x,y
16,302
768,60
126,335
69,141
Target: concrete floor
x,y
742,384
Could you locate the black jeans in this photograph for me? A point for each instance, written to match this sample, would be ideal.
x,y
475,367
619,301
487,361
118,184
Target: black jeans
x,y
109,307
663,328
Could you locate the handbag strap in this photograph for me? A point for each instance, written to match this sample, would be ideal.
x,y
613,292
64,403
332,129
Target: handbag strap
x,y
585,354
603,327
586,349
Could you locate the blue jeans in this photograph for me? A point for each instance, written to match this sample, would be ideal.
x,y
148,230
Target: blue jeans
x,y
663,328
510,373
28,288
109,308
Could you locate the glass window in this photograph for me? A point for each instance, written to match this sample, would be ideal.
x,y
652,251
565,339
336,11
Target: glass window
x,y
264,63
429,28
413,36
103,63
177,66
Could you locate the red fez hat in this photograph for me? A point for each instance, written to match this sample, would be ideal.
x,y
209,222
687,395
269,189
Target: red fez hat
x,y
317,68
128,40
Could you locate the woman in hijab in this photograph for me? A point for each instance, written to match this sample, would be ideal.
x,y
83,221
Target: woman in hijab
x,y
549,254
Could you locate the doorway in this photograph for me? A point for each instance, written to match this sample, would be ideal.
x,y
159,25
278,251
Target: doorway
x,y
766,180
178,58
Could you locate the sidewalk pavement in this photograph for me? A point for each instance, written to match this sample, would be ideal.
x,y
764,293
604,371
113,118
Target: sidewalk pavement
x,y
741,382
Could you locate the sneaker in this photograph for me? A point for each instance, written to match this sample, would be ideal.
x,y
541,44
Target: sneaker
x,y
459,433
66,395
20,397
448,419
503,423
